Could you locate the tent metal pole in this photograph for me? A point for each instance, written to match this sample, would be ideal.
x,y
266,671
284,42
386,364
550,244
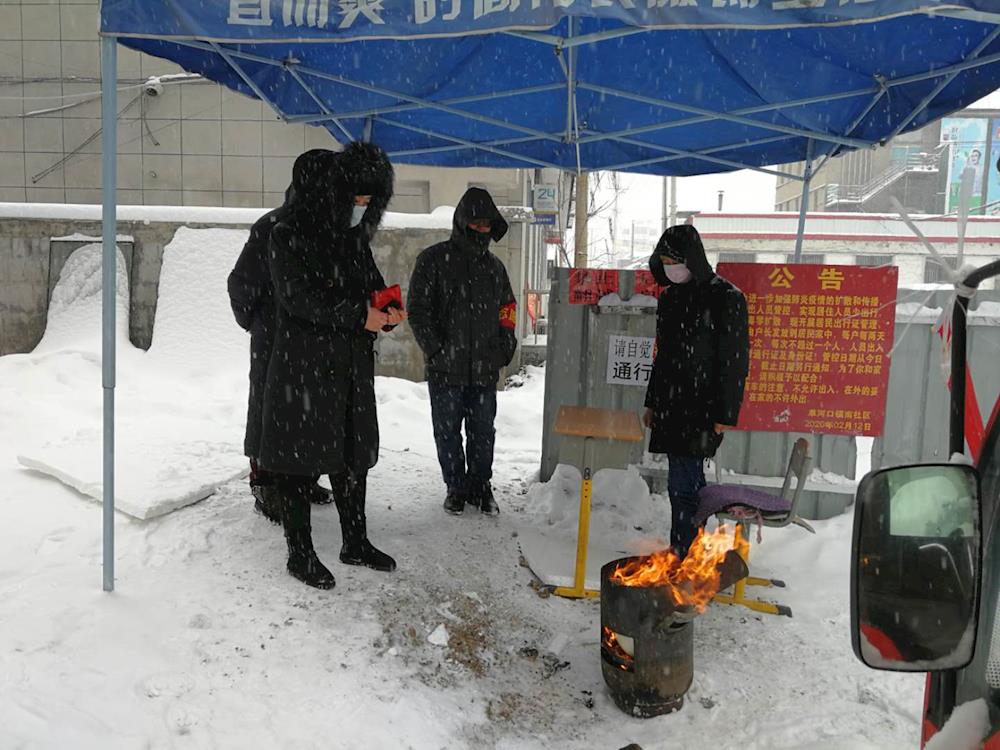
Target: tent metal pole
x,y
544,88
229,58
471,144
701,155
231,55
109,282
947,70
725,116
328,115
396,108
804,201
369,127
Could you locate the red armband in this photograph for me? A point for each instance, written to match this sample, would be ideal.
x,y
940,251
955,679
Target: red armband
x,y
508,316
391,296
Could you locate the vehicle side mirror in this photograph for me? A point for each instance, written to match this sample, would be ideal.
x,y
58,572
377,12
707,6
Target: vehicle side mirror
x,y
916,567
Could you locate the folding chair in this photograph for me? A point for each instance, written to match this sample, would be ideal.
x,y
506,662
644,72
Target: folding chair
x,y
744,505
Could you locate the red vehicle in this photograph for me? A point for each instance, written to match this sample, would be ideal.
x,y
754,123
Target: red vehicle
x,y
925,578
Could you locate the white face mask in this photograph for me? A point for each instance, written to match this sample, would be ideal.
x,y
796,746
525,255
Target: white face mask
x,y
357,215
678,273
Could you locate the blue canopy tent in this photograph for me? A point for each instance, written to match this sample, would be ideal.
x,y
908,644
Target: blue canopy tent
x,y
665,87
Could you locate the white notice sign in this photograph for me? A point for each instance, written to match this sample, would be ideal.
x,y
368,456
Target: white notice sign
x,y
630,360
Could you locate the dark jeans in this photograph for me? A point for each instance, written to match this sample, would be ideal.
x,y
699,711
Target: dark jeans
x,y
476,406
685,477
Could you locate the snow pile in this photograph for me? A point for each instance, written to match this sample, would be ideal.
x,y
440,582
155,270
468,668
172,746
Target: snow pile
x,y
208,642
74,320
195,333
965,729
440,218
180,408
636,300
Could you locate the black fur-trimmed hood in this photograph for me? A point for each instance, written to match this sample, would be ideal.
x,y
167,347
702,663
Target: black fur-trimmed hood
x,y
361,169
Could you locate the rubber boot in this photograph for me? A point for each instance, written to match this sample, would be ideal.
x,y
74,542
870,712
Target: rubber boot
x,y
454,501
319,495
481,495
302,560
268,502
356,549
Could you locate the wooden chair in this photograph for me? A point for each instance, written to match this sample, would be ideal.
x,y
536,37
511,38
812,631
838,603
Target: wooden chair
x,y
592,439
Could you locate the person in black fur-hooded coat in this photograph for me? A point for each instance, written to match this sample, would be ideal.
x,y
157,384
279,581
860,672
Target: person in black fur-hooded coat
x,y
319,398
252,299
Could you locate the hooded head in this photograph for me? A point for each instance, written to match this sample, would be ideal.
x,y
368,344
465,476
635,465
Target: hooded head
x,y
361,169
683,244
309,174
477,206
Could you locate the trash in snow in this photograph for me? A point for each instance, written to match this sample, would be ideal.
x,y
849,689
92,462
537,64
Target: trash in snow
x,y
439,637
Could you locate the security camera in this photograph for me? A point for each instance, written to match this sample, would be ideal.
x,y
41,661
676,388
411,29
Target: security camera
x,y
152,87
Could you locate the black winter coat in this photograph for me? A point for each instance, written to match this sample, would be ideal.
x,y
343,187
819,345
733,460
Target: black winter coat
x,y
251,294
702,352
319,400
462,309
252,299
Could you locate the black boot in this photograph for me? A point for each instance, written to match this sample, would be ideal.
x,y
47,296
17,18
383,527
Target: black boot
x,y
356,549
454,501
319,495
302,560
268,502
481,495
487,503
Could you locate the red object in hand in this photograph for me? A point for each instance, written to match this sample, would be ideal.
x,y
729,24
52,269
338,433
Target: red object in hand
x,y
383,299
391,296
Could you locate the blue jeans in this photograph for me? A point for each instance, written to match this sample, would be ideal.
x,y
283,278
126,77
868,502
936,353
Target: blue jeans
x,y
469,467
685,478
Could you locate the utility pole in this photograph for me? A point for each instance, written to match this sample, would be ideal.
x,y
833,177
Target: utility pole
x,y
632,250
664,212
580,227
672,216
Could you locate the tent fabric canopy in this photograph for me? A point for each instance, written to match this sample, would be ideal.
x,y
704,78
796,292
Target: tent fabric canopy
x,y
692,87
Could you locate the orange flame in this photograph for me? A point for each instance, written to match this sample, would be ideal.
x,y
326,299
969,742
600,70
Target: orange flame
x,y
611,642
689,582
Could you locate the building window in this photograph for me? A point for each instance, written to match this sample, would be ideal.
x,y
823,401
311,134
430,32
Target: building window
x,y
737,258
874,260
806,258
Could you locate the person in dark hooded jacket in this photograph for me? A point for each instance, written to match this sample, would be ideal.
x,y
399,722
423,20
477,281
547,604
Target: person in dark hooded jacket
x,y
319,397
702,359
464,316
251,297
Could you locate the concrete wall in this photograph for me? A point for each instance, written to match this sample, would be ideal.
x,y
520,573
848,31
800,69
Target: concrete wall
x,y
30,263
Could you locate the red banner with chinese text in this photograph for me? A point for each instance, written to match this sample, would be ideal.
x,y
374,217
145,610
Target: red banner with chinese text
x,y
820,338
588,285
646,284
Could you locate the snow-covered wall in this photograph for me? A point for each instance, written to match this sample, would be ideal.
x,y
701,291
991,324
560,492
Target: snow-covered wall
x,y
36,242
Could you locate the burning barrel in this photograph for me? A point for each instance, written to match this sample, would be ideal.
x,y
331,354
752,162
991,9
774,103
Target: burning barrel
x,y
648,605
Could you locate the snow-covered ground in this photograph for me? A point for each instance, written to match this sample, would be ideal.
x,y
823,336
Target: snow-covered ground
x,y
208,643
